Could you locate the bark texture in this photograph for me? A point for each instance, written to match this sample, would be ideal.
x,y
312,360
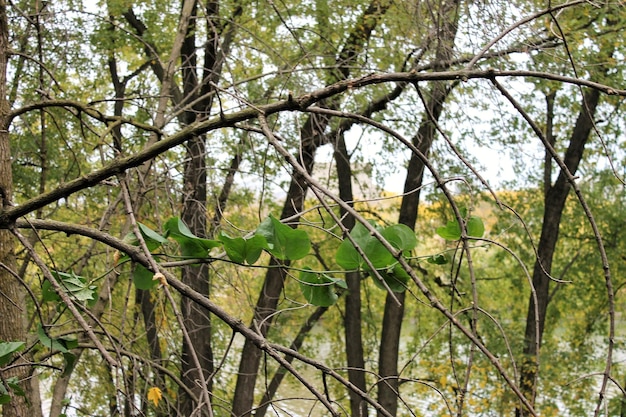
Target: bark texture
x,y
197,319
12,295
554,204
311,137
389,352
352,322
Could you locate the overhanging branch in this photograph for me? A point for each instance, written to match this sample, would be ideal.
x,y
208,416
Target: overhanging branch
x,y
299,103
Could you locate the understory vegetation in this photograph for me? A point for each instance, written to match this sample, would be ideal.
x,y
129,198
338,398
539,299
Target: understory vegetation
x,y
312,208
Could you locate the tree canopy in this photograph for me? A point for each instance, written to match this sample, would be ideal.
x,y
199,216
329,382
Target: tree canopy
x,y
346,208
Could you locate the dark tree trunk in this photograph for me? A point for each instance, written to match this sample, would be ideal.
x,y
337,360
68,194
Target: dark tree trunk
x,y
352,317
197,319
388,387
12,299
272,288
282,371
394,304
311,137
554,204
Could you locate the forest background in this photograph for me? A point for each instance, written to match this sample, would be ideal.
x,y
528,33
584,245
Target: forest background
x,y
194,220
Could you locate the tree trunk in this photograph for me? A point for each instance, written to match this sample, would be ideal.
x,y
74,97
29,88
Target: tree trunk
x,y
554,204
12,295
282,371
270,294
197,319
394,311
388,387
352,319
311,137
196,90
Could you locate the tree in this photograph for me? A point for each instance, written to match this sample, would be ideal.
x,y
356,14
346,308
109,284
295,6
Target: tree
x,y
13,326
183,223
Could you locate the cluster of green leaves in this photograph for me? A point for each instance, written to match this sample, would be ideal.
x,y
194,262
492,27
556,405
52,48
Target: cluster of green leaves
x,y
63,344
373,255
474,227
77,287
362,251
7,351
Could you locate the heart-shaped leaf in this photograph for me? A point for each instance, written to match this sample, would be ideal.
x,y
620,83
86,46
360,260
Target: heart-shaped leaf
x,y
319,289
283,242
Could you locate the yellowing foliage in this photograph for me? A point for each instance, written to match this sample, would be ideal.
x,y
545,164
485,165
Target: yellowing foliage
x,y
155,395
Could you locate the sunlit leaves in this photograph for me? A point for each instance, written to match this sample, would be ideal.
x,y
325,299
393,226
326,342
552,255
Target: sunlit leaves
x,y
348,257
400,237
378,256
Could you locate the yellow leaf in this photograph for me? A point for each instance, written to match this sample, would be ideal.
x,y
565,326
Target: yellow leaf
x,y
155,395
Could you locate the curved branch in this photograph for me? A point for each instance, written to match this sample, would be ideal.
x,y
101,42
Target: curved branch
x,y
299,103
83,108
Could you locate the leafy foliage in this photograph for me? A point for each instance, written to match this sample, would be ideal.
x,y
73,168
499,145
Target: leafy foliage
x,y
106,104
453,231
283,242
319,289
191,245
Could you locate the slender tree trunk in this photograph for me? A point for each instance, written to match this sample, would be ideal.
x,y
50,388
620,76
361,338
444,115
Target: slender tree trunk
x,y
12,295
312,136
554,204
394,308
196,89
388,387
282,371
197,319
352,317
270,294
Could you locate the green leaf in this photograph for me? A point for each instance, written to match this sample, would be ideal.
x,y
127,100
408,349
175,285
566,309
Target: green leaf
x,y
74,285
451,231
242,250
70,362
439,259
190,245
13,384
348,257
319,289
7,349
48,293
142,278
283,242
150,236
63,344
153,239
475,227
396,278
400,237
